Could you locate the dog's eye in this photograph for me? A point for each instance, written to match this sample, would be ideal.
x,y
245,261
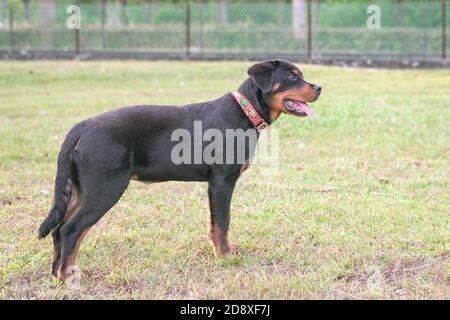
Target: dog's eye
x,y
292,76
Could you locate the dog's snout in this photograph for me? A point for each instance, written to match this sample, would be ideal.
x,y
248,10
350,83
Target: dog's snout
x,y
317,88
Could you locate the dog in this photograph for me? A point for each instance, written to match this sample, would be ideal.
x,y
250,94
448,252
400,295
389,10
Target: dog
x,y
100,155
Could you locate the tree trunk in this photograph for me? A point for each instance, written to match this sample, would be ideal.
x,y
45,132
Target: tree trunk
x,y
400,13
123,11
104,20
3,12
47,21
47,13
116,17
223,14
280,9
103,13
150,12
299,16
11,20
315,13
26,5
11,29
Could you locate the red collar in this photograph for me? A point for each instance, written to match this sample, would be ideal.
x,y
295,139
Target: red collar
x,y
250,111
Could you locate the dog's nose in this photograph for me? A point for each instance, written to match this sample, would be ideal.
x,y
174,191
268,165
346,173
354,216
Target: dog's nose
x,y
317,88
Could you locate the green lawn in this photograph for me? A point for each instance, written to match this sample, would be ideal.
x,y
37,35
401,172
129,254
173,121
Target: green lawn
x,y
359,207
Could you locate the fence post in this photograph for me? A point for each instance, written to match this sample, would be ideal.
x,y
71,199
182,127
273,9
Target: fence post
x,y
309,38
443,30
77,32
77,41
11,30
103,21
202,31
188,30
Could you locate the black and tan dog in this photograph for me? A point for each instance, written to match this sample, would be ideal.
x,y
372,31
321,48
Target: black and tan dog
x,y
101,155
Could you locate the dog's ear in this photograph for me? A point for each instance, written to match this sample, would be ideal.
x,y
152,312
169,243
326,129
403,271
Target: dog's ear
x,y
262,74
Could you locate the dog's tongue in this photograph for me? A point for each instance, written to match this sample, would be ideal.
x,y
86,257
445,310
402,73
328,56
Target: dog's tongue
x,y
303,106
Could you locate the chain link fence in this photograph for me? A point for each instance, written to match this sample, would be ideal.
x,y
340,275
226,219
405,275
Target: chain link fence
x,y
314,30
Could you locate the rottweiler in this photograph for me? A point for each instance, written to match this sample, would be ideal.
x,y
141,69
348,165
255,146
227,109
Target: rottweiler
x,y
100,155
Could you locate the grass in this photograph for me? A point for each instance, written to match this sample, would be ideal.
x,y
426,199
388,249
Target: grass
x,y
359,207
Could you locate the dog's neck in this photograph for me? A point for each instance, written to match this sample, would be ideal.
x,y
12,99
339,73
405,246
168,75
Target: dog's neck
x,y
254,94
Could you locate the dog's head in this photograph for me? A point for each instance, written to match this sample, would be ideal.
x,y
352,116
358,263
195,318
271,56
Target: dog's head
x,y
283,87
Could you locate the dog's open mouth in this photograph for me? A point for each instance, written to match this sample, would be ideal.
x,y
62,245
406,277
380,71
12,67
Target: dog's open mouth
x,y
298,108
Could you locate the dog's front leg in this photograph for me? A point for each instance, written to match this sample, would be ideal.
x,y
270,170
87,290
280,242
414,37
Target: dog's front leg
x,y
219,204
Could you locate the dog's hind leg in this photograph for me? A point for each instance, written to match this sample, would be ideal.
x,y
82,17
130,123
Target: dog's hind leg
x,y
98,195
72,207
56,250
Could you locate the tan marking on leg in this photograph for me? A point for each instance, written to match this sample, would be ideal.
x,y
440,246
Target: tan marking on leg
x,y
135,177
73,206
210,226
55,256
214,234
245,166
61,276
218,240
73,256
72,209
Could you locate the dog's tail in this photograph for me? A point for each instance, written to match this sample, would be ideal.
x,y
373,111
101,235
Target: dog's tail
x,y
63,182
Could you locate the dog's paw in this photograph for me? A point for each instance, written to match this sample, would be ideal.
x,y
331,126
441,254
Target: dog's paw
x,y
234,248
230,250
73,277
